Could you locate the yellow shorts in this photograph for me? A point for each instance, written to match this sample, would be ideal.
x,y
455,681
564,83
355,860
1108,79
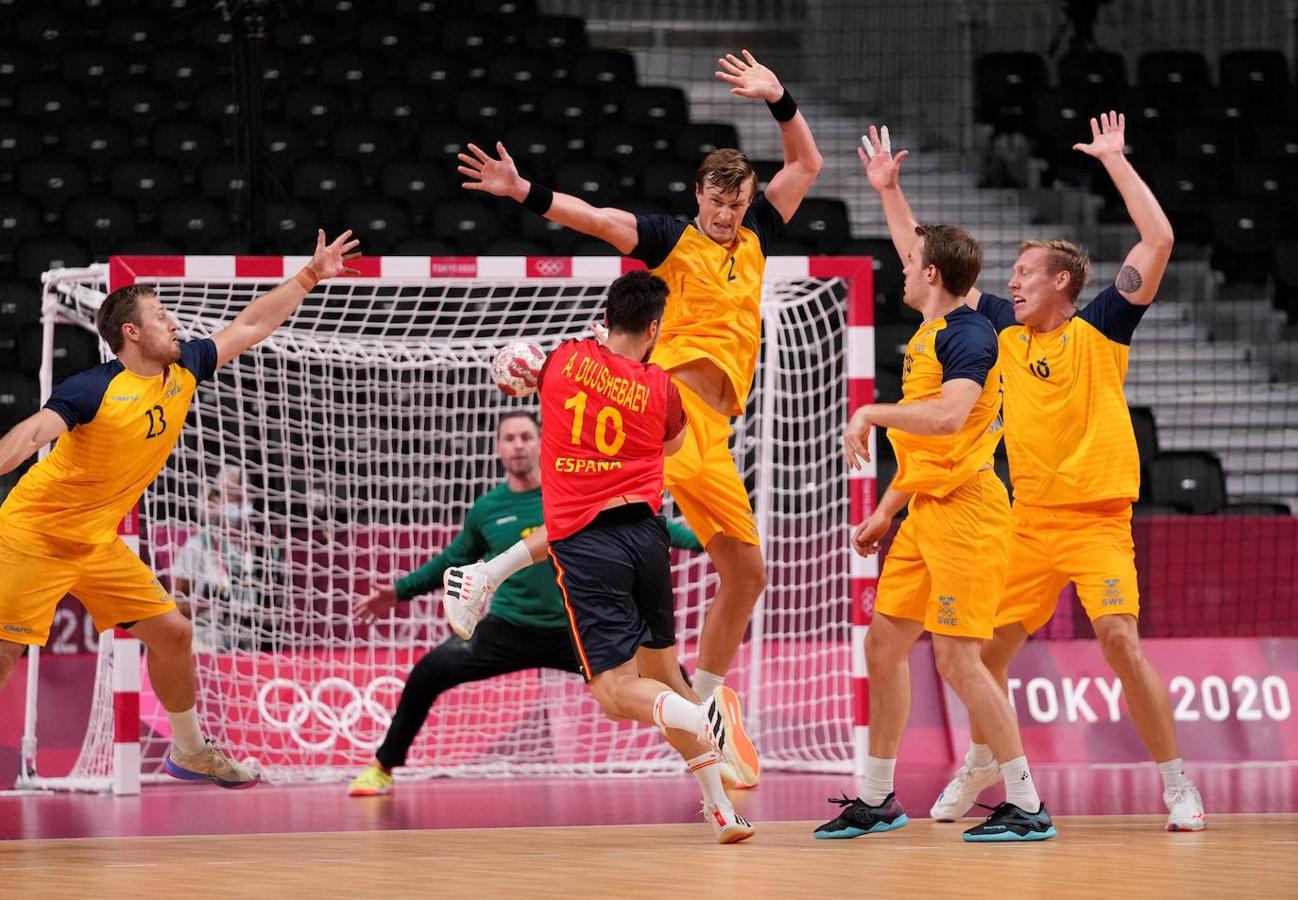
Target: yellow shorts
x,y
1050,547
946,566
704,480
111,582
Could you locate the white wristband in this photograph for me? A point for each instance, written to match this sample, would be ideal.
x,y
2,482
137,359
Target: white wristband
x,y
515,559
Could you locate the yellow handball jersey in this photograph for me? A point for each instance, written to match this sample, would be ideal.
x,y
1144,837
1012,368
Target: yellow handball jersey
x,y
121,429
961,344
1068,432
714,308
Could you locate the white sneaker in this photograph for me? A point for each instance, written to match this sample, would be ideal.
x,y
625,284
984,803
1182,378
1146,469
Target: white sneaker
x,y
209,764
1185,808
465,595
958,797
728,826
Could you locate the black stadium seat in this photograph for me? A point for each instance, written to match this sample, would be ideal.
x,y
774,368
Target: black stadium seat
x,y
562,36
223,178
145,182
626,147
50,103
382,35
472,37
188,143
1177,80
98,142
52,180
18,141
469,223
592,181
1100,73
75,349
291,225
672,184
315,107
327,181
196,224
382,223
100,221
368,146
418,183
285,144
20,395
1243,235
1186,191
136,102
1191,480
664,109
1005,86
40,254
184,70
401,106
605,70
697,140
93,67
1261,76
19,217
536,148
821,223
1286,278
1146,429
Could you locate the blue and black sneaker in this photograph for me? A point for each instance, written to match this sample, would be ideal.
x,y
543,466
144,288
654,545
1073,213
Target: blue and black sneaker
x,y
1012,823
858,818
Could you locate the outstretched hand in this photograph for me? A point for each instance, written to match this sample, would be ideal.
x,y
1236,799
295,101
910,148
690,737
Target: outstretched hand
x,y
881,167
331,259
495,176
750,78
1108,136
377,604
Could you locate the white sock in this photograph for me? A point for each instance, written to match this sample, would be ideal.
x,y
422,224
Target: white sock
x,y
1173,772
671,710
501,566
707,773
1019,788
979,756
706,682
877,784
185,733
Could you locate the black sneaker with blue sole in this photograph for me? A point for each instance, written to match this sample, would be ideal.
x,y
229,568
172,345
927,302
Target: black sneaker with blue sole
x,y
1012,823
858,818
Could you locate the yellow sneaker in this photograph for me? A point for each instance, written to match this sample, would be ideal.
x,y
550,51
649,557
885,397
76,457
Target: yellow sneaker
x,y
372,782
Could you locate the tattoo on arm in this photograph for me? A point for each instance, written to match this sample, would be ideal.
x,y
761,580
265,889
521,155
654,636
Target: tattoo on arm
x,y
1128,280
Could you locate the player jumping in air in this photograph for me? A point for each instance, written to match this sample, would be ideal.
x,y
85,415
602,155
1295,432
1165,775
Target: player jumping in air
x,y
527,627
1073,459
116,424
711,331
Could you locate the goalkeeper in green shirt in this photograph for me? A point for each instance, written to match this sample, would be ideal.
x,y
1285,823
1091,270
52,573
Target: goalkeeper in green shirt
x,y
526,627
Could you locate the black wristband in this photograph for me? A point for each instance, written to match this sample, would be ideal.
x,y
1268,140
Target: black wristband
x,y
783,109
539,199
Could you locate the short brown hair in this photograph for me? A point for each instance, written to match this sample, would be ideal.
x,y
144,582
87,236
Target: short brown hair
x,y
119,308
517,414
955,253
727,170
1064,256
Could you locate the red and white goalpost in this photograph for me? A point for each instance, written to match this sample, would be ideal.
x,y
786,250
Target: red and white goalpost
x,y
363,430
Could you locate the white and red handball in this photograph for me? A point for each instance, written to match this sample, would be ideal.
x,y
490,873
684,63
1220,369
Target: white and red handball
x,y
517,367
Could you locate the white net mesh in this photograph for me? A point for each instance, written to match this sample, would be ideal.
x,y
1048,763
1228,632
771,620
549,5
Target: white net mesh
x,y
349,446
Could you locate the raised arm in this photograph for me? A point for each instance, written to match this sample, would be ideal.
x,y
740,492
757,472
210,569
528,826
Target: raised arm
x,y
802,161
269,311
1142,270
500,178
883,171
28,436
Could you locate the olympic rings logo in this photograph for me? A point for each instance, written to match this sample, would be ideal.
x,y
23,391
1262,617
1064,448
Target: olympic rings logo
x,y
317,716
549,266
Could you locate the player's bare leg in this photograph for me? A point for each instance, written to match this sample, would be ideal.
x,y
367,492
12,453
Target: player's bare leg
x,y
10,653
700,759
742,574
979,770
1151,712
169,638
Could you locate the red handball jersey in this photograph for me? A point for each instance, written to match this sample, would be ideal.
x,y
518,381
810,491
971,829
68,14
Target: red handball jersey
x,y
604,418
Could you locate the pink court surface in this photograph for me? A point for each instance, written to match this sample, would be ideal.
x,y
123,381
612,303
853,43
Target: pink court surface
x,y
614,837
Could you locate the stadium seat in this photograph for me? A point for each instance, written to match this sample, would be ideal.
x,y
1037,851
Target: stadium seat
x,y
137,33
1186,191
1190,480
605,70
473,37
326,181
291,225
92,67
218,104
1256,507
18,66
1243,237
40,254
508,14
211,33
1261,76
223,178
136,102
536,148
697,140
1005,85
1276,141
20,304
1271,182
315,107
368,146
284,143
75,349
381,35
402,106
52,180
380,223
20,394
625,147
672,184
441,72
559,36
19,217
350,71
594,182
441,142
49,103
18,141
184,70
303,35
888,279
417,183
1176,79
188,143
519,71
664,109
1097,73
566,106
554,237
821,223
1286,278
1142,422
145,182
491,108
98,142
101,222
46,31
468,223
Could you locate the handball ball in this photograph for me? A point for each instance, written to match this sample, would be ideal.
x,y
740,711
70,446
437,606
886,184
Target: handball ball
x,y
516,368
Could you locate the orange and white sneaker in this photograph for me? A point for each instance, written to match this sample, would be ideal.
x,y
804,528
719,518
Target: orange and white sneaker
x,y
726,735
730,779
728,826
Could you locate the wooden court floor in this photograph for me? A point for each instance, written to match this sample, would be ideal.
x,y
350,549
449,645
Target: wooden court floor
x,y
1243,856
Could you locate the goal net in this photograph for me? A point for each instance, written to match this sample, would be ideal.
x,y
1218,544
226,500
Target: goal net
x,y
346,449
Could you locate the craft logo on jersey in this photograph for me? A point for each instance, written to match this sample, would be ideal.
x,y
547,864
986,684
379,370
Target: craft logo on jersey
x,y
946,615
1112,594
172,391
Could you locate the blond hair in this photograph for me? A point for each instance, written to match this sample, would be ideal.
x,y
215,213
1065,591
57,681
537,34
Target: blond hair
x,y
727,170
1064,256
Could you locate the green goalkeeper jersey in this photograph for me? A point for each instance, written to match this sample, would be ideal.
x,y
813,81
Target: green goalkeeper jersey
x,y
496,521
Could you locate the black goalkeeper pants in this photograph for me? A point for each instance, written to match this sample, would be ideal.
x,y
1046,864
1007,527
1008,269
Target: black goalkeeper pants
x,y
497,647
